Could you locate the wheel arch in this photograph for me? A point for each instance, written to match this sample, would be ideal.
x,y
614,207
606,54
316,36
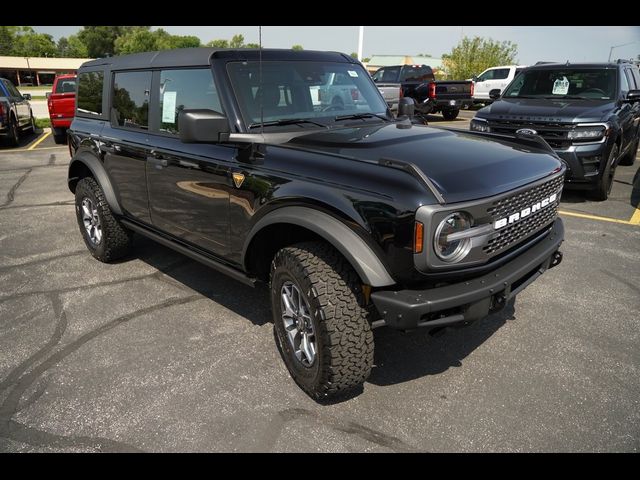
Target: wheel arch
x,y
297,223
83,165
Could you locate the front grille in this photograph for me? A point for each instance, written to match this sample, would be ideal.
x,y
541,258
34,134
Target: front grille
x,y
502,208
555,134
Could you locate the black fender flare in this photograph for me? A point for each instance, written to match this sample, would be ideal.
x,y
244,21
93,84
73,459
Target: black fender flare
x,y
363,259
101,176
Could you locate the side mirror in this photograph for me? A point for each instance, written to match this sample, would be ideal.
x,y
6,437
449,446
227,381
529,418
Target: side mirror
x,y
632,96
203,126
495,93
26,96
48,94
474,78
406,107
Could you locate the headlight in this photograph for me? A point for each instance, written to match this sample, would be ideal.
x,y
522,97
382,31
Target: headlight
x,y
479,125
453,250
587,133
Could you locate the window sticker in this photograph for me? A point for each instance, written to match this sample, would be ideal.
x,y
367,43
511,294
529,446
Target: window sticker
x,y
353,73
169,107
561,86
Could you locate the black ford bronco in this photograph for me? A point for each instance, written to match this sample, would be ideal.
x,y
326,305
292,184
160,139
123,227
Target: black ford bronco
x,y
355,219
588,113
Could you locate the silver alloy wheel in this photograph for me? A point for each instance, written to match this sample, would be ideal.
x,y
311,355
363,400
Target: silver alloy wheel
x,y
296,316
91,221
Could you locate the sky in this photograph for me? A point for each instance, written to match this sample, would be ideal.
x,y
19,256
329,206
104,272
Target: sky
x,y
548,43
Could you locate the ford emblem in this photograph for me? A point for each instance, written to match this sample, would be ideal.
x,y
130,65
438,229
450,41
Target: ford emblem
x,y
526,131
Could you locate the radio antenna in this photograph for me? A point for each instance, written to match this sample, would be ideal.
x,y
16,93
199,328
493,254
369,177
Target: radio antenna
x,y
261,89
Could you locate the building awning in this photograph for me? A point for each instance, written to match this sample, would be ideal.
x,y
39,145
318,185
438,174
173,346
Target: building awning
x,y
43,64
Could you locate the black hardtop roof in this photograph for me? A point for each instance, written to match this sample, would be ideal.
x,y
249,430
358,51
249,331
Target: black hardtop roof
x,y
186,57
554,66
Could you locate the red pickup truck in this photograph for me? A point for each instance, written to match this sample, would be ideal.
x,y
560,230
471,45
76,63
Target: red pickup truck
x,y
62,105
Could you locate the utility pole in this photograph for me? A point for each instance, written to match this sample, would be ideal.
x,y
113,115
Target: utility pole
x,y
616,46
360,43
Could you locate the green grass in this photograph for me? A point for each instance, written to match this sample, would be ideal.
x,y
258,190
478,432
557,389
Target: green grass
x,y
30,89
43,122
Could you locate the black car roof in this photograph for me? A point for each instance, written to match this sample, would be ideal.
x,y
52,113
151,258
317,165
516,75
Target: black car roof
x,y
185,57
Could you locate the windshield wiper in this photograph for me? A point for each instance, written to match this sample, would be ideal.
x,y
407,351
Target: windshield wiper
x,y
287,121
360,116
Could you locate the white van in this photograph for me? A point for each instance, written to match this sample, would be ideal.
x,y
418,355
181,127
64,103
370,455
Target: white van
x,y
494,77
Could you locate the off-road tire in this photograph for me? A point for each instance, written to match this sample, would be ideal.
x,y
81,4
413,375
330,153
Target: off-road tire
x,y
450,115
605,184
630,156
116,239
343,334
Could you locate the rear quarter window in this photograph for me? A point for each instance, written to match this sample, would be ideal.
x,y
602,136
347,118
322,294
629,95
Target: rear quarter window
x,y
66,85
90,93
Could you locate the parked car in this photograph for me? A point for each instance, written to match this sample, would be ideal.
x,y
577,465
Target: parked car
x,y
430,96
339,91
492,78
353,218
62,104
588,113
15,113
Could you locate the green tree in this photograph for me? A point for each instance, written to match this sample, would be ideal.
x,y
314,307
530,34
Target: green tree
x,y
297,47
28,43
237,41
252,45
143,40
219,43
100,40
76,49
471,56
354,55
7,39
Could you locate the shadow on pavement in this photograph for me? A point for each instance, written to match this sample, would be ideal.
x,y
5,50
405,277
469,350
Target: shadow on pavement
x,y
401,357
25,140
635,192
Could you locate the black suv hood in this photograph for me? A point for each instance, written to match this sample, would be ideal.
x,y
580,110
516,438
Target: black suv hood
x,y
464,166
541,110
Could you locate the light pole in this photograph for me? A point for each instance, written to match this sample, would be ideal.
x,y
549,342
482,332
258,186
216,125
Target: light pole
x,y
616,46
29,68
360,43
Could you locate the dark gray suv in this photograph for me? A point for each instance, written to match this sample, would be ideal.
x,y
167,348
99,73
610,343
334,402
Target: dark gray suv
x,y
15,113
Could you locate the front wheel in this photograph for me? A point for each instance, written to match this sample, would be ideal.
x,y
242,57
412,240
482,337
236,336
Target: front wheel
x,y
450,114
320,321
104,235
605,184
14,135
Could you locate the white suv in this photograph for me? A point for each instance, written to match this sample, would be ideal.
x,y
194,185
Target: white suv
x,y
494,77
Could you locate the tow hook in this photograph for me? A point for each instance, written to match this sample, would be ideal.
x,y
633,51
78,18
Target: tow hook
x,y
557,259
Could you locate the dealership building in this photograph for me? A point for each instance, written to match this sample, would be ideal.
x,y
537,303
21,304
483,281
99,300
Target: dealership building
x,y
36,71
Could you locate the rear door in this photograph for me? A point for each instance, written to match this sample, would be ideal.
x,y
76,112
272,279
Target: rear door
x,y
125,139
22,106
189,185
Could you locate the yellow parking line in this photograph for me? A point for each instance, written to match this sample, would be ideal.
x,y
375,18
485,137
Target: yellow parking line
x,y
601,219
39,141
635,218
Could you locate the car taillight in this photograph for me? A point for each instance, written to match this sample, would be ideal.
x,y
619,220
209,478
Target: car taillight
x,y
432,90
401,92
473,87
355,94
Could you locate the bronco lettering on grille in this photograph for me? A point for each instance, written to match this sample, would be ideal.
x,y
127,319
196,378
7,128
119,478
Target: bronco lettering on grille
x,y
525,212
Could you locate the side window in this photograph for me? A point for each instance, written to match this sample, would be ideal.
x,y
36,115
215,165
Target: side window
x,y
624,84
130,105
416,74
500,73
184,90
488,75
630,79
390,74
11,89
636,75
90,93
378,75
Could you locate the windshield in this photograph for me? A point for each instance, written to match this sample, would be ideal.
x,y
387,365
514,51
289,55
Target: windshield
x,y
592,83
294,91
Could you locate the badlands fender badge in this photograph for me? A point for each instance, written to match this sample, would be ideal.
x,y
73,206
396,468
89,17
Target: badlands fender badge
x,y
238,178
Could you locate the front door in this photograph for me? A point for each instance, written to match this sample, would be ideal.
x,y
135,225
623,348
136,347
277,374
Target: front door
x,y
23,109
189,185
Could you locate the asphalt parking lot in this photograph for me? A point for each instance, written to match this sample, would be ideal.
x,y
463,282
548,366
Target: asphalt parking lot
x,y
159,353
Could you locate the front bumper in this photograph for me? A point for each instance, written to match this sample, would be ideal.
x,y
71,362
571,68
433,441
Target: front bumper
x,y
584,162
473,299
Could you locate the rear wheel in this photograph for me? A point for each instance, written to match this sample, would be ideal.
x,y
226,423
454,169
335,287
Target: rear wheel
x,y
605,184
13,138
104,235
320,322
450,114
